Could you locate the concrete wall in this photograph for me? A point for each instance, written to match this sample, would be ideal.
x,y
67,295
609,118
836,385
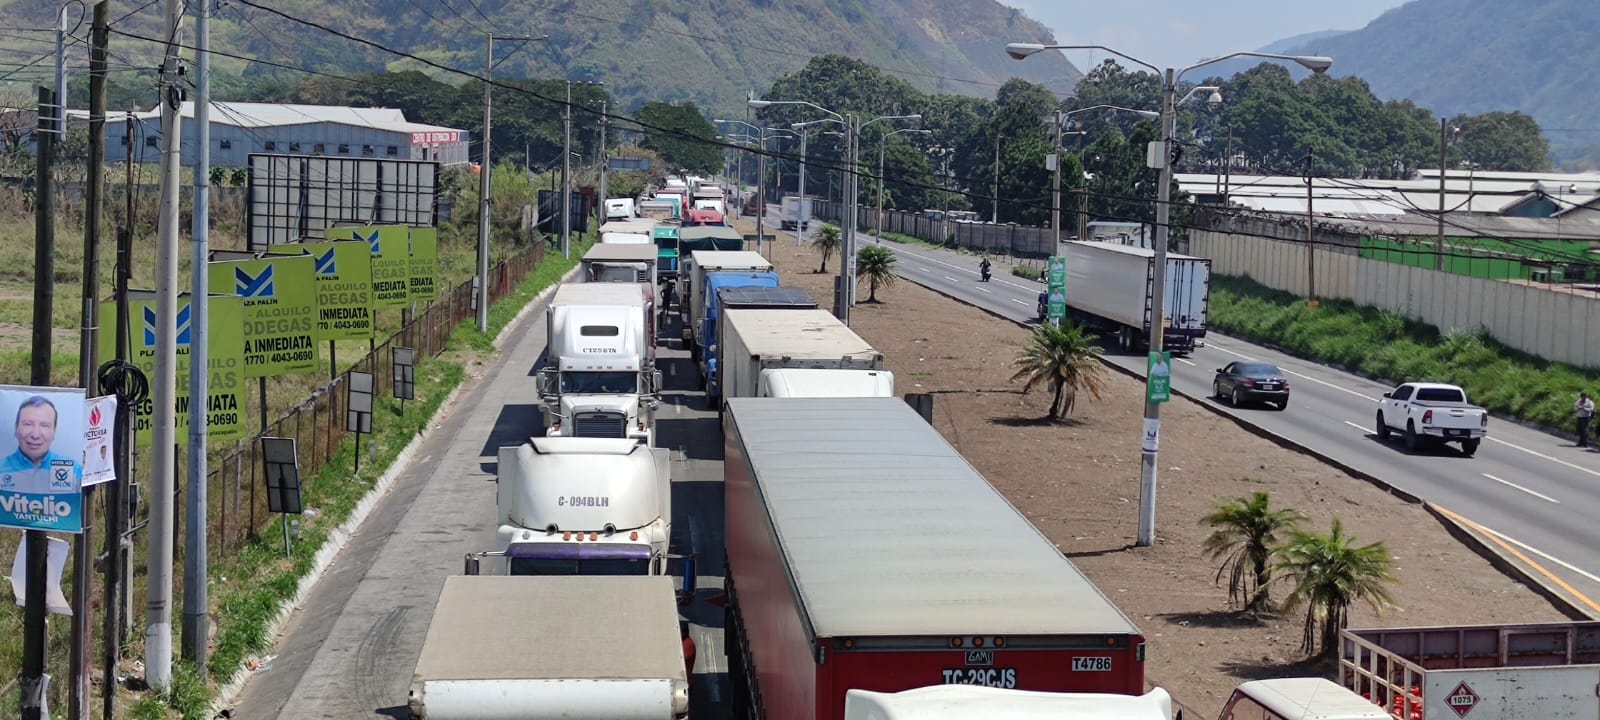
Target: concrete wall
x,y
1553,323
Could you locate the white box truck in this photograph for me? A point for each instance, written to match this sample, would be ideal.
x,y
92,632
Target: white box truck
x,y
583,506
692,277
1110,287
530,648
793,209
623,263
600,379
796,353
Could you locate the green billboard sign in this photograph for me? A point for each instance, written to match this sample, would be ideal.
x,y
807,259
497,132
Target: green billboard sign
x,y
391,261
225,406
1056,287
343,273
280,311
424,264
1158,384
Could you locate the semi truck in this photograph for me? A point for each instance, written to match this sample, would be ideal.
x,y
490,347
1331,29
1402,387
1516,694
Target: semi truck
x,y
600,378
528,648
583,506
635,231
619,209
624,263
795,353
696,264
705,334
864,552
1110,288
1477,672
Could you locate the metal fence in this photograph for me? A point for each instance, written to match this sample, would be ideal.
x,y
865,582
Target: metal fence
x,y
237,486
1014,240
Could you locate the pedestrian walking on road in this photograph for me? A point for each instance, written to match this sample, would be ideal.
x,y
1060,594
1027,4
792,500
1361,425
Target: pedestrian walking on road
x,y
1584,409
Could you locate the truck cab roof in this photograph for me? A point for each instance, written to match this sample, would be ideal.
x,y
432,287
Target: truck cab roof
x,y
949,702
1311,699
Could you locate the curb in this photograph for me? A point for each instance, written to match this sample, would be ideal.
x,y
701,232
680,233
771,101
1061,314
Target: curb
x,y
340,536
1471,540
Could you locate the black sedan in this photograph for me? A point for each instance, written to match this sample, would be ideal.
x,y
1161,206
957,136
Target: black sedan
x,y
1244,382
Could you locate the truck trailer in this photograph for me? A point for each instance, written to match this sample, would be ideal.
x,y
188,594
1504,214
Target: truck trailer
x,y
1109,287
531,648
795,353
583,506
1477,672
864,552
625,263
692,277
966,702
600,378
705,334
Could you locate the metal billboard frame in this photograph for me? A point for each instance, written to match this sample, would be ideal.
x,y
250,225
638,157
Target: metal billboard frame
x,y
291,198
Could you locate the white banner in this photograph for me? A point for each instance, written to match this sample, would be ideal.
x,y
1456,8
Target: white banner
x,y
99,447
55,601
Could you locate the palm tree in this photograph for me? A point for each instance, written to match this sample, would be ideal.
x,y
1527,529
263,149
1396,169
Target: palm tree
x,y
1245,532
828,242
1328,574
876,264
1063,358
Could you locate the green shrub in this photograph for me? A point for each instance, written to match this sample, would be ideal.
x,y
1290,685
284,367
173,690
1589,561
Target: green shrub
x,y
1024,271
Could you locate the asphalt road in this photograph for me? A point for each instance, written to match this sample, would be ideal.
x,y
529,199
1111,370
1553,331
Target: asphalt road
x,y
350,651
1536,492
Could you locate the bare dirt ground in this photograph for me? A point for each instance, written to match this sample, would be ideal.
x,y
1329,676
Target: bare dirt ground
x,y
1078,481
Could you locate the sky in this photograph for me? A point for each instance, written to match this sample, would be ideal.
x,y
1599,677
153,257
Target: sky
x,y
1177,33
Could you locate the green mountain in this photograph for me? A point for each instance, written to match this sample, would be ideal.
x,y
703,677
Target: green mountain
x,y
713,53
1475,56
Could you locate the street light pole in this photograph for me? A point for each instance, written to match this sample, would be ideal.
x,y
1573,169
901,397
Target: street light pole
x,y
1055,188
761,188
882,179
566,176
800,214
994,215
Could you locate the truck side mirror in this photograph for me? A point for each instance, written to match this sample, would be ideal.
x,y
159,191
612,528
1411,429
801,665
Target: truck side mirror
x,y
547,382
655,381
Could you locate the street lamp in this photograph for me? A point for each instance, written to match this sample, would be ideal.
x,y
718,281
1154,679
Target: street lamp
x,y
855,125
1055,182
802,216
883,141
1160,158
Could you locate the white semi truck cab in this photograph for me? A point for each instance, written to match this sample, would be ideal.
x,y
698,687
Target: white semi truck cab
x,y
599,379
584,506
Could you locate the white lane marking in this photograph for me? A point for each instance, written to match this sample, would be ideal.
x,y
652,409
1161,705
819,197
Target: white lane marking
x,y
1019,302
951,279
1538,454
1186,362
927,270
986,290
1340,388
1510,484
1540,553
1359,427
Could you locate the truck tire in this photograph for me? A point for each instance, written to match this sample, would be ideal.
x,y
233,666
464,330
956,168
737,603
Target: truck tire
x,y
1382,427
1470,447
1413,442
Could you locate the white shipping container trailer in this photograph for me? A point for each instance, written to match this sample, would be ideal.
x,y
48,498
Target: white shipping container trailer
x,y
525,648
1110,287
761,349
692,275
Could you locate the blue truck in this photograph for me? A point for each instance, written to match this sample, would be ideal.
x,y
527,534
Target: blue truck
x,y
706,334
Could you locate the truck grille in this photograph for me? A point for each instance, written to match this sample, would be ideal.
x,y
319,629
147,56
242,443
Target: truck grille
x,y
600,424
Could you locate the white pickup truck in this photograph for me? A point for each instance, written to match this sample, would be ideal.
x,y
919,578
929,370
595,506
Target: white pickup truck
x,y
1432,413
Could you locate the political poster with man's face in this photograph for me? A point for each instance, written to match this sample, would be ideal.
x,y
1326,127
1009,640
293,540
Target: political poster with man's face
x,y
42,433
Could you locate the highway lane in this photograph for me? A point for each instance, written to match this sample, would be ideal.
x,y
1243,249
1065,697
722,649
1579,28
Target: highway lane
x,y
1532,489
349,652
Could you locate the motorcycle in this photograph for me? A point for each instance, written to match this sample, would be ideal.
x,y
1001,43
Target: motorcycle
x,y
983,272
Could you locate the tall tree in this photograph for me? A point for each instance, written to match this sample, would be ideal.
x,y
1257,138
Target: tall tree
x,y
1501,141
682,135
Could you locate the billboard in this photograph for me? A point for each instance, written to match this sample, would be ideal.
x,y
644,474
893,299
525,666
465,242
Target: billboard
x,y
41,458
390,246
299,197
424,263
280,310
225,342
343,277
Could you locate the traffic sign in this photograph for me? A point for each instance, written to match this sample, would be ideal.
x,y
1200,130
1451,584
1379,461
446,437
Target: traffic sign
x,y
1158,386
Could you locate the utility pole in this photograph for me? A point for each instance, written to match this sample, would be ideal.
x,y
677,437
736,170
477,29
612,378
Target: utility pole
x,y
485,171
761,188
566,176
1148,468
605,157
851,188
1311,239
164,386
1227,169
88,360
196,564
1444,146
995,214
1055,188
35,634
883,144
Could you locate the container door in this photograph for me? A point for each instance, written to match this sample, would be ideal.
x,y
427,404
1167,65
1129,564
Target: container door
x,y
1186,294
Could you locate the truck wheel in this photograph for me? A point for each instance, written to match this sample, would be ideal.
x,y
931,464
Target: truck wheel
x,y
1383,427
1413,442
1470,447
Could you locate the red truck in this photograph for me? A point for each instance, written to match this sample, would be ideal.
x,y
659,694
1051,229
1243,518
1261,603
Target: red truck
x,y
864,552
1477,672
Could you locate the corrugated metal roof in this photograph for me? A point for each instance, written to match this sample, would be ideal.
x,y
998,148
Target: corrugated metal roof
x,y
890,532
259,115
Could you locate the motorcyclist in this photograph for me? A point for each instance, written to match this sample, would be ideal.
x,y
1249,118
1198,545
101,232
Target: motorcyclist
x,y
983,268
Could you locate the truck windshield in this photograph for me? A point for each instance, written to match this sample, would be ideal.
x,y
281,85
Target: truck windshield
x,y
575,566
600,383
1439,395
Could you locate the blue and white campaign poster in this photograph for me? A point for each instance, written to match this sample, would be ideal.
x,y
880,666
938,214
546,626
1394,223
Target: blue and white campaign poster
x,y
41,458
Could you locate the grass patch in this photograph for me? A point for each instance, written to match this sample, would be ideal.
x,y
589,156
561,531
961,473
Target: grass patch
x,y
1027,272
905,239
1385,346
